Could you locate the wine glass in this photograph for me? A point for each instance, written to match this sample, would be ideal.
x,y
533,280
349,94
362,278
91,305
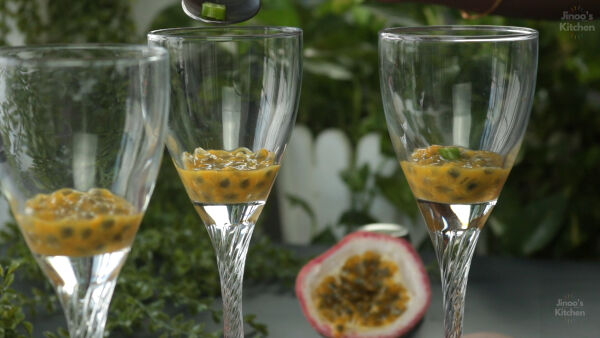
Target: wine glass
x,y
82,130
457,100
234,96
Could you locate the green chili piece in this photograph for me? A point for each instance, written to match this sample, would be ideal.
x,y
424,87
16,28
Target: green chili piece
x,y
214,11
450,153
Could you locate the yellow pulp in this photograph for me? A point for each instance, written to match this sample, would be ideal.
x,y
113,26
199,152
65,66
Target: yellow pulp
x,y
478,176
227,177
364,293
73,223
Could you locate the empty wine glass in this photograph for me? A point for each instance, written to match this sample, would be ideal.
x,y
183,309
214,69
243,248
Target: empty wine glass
x,y
457,100
81,137
234,98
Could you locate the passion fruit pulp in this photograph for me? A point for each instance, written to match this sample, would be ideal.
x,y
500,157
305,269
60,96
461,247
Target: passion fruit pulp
x,y
368,285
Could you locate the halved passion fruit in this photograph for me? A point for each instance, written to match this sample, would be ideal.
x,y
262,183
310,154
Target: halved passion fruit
x,y
367,285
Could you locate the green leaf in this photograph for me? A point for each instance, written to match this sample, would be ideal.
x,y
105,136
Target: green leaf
x,y
526,228
352,219
279,13
28,327
171,16
550,212
356,178
327,69
325,237
449,153
296,201
396,190
259,328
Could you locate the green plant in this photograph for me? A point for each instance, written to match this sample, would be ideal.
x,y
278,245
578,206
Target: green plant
x,y
549,205
12,318
340,88
65,21
169,285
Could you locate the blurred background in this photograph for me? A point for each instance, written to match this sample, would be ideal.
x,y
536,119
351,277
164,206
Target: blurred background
x,y
549,208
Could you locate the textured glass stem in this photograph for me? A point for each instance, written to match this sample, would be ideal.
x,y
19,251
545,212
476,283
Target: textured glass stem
x,y
87,309
231,243
454,250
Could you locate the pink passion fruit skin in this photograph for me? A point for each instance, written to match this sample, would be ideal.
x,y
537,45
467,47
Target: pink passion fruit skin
x,y
326,329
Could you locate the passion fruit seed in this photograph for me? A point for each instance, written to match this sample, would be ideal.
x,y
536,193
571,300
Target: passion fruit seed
x,y
365,278
75,223
244,183
454,172
458,156
364,292
219,176
454,175
107,224
230,197
85,233
237,159
66,232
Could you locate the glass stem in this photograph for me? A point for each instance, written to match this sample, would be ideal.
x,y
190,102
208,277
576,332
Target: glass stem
x,y
231,243
454,250
86,309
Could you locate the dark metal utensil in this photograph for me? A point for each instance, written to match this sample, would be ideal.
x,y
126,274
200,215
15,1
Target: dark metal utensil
x,y
221,11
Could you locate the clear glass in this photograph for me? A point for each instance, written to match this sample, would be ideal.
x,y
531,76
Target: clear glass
x,y
231,88
82,129
457,101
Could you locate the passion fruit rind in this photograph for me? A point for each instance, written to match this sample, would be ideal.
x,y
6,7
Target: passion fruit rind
x,y
367,285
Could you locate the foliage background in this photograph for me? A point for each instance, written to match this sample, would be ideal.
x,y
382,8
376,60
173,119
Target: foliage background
x,y
550,206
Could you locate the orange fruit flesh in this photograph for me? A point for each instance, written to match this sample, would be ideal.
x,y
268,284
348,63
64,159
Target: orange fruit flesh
x,y
477,177
72,223
364,293
228,177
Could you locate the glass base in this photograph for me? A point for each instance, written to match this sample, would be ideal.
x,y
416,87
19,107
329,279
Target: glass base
x,y
454,250
84,286
230,229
